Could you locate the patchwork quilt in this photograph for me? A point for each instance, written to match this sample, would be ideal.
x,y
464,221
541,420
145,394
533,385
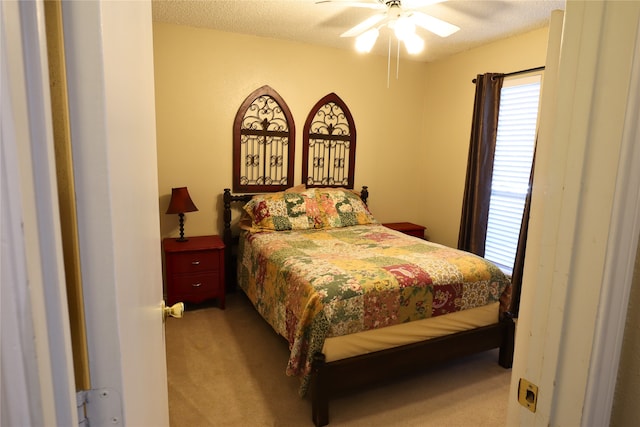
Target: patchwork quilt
x,y
313,284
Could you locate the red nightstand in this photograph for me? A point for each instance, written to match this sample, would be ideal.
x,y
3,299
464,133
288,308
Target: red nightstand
x,y
194,269
407,228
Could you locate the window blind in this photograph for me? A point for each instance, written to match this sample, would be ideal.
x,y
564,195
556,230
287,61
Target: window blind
x,y
517,124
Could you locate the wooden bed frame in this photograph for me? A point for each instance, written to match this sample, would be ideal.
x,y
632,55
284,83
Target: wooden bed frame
x,y
329,379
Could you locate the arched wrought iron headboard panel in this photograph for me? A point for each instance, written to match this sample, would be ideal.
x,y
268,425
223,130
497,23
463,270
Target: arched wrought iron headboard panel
x,y
329,146
263,143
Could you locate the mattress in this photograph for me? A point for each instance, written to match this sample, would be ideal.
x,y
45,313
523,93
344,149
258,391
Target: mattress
x,y
342,347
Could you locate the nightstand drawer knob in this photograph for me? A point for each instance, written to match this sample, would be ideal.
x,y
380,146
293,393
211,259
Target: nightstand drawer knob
x,y
196,285
195,262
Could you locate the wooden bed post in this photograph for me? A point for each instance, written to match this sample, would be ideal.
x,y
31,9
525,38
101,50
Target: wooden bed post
x,y
505,356
364,194
228,242
319,391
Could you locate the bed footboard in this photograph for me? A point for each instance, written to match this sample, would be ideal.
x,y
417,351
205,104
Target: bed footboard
x,y
329,379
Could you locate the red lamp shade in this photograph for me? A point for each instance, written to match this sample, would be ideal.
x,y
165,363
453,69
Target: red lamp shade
x,y
180,201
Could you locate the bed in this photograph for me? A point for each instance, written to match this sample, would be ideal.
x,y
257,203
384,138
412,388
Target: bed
x,y
360,303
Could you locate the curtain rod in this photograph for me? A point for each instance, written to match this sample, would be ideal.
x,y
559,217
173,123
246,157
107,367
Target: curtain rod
x,y
515,73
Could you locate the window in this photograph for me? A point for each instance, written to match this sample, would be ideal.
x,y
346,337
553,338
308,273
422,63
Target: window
x,y
515,145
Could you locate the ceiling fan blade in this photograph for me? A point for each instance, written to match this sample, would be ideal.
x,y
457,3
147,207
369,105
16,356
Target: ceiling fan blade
x,y
364,25
362,4
416,4
435,25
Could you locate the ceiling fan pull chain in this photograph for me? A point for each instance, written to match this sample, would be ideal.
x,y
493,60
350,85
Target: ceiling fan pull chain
x,y
398,61
389,62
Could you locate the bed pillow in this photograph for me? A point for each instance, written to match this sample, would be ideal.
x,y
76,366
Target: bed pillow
x,y
300,188
342,208
284,211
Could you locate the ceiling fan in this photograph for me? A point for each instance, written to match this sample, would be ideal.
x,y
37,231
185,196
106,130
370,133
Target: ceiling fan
x,y
395,16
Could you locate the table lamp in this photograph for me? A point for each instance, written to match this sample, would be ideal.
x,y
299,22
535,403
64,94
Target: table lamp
x,y
180,203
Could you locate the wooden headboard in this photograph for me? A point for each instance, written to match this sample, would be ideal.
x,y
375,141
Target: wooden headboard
x,y
231,241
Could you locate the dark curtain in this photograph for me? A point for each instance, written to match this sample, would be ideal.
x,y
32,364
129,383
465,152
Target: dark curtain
x,y
477,191
518,266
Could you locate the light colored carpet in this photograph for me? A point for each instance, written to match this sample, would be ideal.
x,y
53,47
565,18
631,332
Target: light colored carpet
x,y
226,368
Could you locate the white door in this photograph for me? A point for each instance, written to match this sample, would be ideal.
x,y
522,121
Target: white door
x,y
109,58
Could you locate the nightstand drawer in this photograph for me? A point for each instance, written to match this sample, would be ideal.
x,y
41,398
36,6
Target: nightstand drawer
x,y
194,269
194,284
192,262
415,233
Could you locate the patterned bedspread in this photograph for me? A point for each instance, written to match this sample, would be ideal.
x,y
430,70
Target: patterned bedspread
x,y
314,284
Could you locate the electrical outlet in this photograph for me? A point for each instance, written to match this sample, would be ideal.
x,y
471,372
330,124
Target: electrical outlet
x,y
527,394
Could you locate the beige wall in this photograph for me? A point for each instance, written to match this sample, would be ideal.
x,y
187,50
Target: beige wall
x,y
202,77
412,138
449,107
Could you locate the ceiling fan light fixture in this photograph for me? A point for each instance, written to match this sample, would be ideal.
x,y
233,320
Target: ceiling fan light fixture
x,y
397,20
414,44
366,40
404,28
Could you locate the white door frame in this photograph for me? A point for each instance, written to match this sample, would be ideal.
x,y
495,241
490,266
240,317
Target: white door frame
x,y
619,268
37,372
584,217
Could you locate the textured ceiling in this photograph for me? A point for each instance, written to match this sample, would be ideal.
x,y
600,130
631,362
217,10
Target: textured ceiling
x,y
305,21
